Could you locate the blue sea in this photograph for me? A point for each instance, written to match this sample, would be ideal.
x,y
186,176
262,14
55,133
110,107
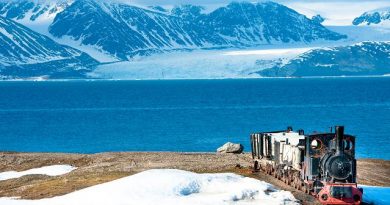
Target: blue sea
x,y
188,115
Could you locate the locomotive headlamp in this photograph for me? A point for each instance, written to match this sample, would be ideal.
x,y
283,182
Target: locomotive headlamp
x,y
324,197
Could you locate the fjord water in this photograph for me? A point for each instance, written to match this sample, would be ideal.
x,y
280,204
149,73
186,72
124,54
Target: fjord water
x,y
188,115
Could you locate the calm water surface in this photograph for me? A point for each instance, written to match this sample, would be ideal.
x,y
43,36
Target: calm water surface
x,y
191,115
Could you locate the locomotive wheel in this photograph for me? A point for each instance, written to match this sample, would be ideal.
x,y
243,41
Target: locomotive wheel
x,y
289,180
285,179
268,169
307,190
303,187
295,184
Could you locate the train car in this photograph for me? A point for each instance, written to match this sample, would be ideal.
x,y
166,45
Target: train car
x,y
320,164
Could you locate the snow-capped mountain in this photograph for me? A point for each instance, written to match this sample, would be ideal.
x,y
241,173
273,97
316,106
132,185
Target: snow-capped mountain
x,y
25,53
124,31
366,58
37,14
112,31
378,16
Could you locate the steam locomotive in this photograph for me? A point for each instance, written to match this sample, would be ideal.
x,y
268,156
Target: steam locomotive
x,y
320,164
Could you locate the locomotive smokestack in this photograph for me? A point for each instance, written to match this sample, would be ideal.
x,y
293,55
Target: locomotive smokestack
x,y
339,139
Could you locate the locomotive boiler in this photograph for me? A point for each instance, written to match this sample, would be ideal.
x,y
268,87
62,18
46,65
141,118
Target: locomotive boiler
x,y
321,164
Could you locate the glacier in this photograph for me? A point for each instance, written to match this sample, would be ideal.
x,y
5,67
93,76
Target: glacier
x,y
200,64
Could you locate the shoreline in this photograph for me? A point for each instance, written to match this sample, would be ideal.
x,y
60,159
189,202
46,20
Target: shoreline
x,y
195,79
93,169
150,152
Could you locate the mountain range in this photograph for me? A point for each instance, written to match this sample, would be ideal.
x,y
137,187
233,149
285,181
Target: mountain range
x,y
70,38
125,31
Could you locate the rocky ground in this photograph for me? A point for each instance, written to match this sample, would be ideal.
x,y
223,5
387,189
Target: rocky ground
x,y
99,168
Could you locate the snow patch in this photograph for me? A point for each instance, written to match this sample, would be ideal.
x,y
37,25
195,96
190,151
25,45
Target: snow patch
x,y
166,186
92,50
376,195
6,34
54,170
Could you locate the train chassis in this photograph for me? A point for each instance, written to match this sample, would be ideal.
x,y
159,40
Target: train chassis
x,y
292,178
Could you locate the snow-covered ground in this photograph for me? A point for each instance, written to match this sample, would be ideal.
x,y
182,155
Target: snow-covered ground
x,y
54,170
200,64
376,195
166,187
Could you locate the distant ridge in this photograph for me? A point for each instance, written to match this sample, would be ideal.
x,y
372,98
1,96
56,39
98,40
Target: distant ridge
x,y
366,58
378,16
